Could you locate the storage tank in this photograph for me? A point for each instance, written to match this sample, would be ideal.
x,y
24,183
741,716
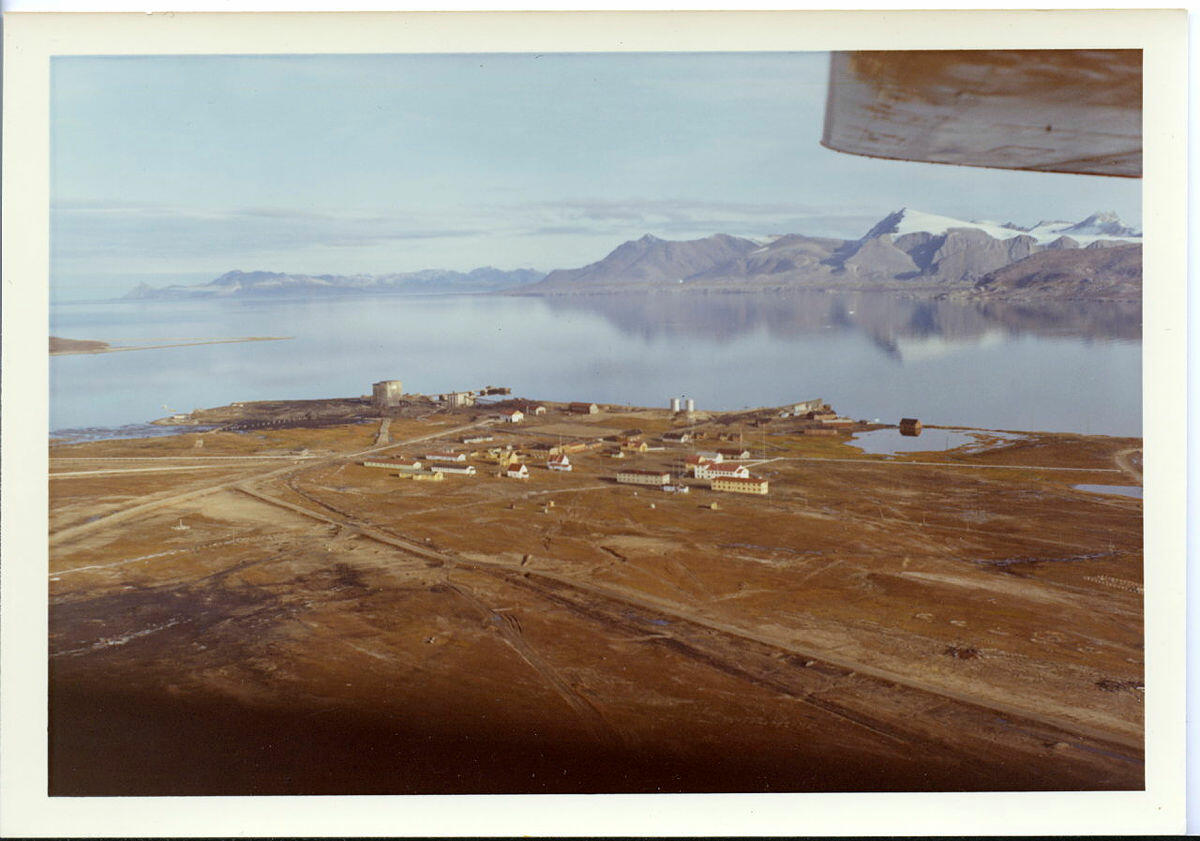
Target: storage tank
x,y
674,405
387,393
691,405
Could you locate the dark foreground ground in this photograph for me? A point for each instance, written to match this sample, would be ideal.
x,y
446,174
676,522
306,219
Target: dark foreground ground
x,y
312,626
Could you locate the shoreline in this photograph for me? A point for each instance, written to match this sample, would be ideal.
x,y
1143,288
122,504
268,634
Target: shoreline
x,y
109,349
215,418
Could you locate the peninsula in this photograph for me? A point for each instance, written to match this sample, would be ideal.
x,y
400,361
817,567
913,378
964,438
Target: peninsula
x,y
478,593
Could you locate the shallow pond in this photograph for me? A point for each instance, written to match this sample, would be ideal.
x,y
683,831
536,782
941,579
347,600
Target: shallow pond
x,y
1119,490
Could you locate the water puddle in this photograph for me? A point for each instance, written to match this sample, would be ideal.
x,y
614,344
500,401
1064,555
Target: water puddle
x,y
1134,491
889,441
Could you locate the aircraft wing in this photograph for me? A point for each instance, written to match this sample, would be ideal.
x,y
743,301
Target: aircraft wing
x,y
1077,111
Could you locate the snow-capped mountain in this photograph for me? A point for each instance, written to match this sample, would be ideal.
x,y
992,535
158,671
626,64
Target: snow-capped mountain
x,y
1104,225
906,249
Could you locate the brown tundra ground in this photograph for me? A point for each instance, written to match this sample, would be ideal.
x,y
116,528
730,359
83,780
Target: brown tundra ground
x,y
265,615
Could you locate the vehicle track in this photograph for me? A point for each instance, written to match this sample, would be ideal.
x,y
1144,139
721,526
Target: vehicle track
x,y
64,535
509,629
1114,732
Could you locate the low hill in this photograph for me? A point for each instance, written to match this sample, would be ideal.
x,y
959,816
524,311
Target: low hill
x,y
1095,274
279,284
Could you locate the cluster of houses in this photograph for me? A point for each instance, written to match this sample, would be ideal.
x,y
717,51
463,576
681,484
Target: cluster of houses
x,y
719,468
518,413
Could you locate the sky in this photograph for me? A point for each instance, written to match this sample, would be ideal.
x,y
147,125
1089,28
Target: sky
x,y
177,167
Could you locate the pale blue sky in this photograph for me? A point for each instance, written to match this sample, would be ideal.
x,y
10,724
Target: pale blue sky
x,y
171,166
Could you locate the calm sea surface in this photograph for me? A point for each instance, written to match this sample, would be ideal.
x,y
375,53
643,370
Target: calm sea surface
x,y
1057,367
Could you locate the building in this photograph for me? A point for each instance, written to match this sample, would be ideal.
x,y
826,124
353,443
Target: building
x,y
734,453
575,447
516,470
740,484
820,415
431,476
515,416
799,409
446,456
674,405
689,405
644,477
613,453
634,445
677,437
457,399
711,455
910,426
387,393
712,471
457,469
560,462
677,489
583,408
477,439
406,464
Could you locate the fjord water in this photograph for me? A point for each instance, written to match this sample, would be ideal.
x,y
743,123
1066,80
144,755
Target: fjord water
x,y
1058,366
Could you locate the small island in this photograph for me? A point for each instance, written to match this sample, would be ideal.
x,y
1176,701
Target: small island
x,y
60,345
63,347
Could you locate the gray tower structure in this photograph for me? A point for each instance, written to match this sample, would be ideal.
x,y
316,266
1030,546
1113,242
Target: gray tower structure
x,y
387,393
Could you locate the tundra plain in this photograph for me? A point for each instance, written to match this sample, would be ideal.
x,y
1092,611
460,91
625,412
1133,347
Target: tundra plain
x,y
263,614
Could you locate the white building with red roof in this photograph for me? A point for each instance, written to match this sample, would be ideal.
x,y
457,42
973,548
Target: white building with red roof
x,y
559,462
723,471
517,470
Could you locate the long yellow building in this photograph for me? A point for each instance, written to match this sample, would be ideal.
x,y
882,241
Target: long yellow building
x,y
740,485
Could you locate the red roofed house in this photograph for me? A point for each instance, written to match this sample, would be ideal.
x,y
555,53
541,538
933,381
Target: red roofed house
x,y
516,470
559,462
712,471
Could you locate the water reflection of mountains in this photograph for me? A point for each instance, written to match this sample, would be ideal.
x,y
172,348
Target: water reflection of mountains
x,y
885,318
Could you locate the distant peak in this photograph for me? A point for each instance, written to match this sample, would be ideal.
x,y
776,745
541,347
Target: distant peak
x,y
649,238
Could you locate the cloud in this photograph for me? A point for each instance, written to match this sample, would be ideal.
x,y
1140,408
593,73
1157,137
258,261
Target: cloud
x,y
139,236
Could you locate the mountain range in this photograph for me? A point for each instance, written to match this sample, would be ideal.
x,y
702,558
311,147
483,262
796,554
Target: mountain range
x,y
1096,258
907,249
278,284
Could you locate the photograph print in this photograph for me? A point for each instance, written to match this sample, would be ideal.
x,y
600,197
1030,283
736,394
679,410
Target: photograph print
x,y
596,423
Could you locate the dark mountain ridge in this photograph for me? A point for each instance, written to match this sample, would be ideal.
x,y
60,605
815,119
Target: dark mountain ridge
x,y
906,250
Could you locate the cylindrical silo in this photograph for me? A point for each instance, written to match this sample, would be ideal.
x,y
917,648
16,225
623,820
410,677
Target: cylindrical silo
x,y
691,405
674,405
